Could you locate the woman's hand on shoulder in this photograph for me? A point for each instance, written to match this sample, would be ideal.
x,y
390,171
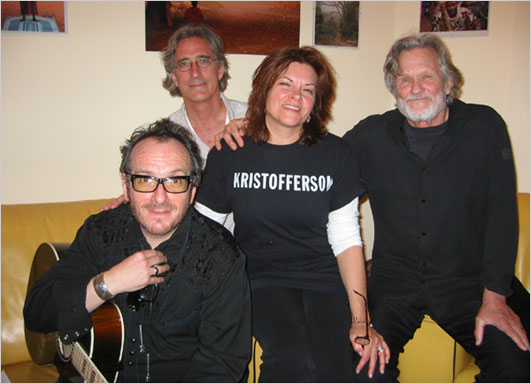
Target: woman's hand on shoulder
x,y
115,203
232,134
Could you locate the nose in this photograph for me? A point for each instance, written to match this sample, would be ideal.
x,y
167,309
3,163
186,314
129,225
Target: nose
x,y
160,195
417,86
297,93
194,69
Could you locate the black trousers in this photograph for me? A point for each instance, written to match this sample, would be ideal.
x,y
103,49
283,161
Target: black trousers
x,y
304,335
498,357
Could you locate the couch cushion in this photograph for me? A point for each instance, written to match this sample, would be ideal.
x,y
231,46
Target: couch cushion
x,y
24,228
522,256
29,372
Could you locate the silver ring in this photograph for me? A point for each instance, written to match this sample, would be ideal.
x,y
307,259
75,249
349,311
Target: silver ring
x,y
156,270
380,350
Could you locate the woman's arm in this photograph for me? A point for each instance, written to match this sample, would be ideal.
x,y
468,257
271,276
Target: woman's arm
x,y
345,239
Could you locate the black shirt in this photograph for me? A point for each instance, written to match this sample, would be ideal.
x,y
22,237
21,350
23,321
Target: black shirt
x,y
447,224
422,140
198,326
281,196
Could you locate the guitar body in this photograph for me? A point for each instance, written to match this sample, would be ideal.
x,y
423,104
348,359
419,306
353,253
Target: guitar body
x,y
107,335
97,355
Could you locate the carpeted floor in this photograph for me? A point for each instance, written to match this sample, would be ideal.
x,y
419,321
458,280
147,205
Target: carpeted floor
x,y
44,24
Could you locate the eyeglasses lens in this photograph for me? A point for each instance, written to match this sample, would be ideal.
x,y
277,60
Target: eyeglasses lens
x,y
202,62
148,184
363,340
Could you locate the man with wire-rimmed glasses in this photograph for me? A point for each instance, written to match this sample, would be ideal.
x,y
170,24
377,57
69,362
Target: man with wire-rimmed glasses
x,y
198,71
177,277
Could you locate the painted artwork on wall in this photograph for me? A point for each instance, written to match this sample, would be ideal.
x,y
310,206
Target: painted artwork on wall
x,y
246,27
34,16
336,23
454,18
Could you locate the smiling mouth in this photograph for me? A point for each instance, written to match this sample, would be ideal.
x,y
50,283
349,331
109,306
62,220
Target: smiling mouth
x,y
158,210
419,102
293,108
197,84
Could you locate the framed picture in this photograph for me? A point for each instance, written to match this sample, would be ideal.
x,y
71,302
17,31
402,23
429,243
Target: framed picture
x,y
34,16
454,18
246,27
336,23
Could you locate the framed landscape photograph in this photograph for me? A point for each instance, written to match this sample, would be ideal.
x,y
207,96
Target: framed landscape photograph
x,y
246,27
336,23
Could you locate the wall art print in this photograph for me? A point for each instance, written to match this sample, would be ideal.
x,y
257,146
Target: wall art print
x,y
454,18
34,16
246,27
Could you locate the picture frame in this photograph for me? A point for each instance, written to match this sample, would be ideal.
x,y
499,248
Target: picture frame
x,y
336,23
454,18
34,17
246,27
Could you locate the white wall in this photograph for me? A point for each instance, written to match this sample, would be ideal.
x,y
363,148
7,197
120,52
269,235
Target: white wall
x,y
70,100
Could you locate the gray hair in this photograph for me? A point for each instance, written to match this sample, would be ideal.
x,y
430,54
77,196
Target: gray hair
x,y
193,30
449,70
164,130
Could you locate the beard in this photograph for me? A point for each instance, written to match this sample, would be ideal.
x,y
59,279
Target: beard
x,y
438,103
154,228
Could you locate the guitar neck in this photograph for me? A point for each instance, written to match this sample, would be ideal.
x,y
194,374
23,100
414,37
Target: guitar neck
x,y
85,366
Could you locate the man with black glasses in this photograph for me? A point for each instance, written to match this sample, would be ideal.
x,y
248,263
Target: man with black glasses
x,y
177,277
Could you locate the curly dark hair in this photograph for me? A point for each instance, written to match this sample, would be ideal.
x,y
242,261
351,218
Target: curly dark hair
x,y
164,130
270,70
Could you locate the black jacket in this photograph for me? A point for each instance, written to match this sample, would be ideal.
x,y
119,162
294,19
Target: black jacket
x,y
198,327
446,224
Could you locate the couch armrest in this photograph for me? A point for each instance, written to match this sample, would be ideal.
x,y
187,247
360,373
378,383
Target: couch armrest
x,y
24,227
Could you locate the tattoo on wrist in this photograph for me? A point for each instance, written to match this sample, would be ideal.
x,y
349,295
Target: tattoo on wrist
x,y
357,320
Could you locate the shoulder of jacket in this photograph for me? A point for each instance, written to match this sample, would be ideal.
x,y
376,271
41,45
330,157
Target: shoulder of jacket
x,y
476,109
480,115
372,123
334,142
110,226
178,116
212,249
234,103
239,104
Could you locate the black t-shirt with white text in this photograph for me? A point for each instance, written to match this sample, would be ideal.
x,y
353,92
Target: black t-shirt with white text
x,y
281,196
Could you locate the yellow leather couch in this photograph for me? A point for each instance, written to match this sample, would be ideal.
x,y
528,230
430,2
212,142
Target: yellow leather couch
x,y
24,228
452,363
431,356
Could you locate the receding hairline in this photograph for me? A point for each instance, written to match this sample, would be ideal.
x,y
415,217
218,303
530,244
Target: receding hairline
x,y
162,141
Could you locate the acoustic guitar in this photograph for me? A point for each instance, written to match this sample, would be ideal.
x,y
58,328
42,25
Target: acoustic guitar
x,y
98,354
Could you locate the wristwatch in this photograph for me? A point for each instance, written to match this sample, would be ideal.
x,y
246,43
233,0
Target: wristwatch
x,y
101,288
